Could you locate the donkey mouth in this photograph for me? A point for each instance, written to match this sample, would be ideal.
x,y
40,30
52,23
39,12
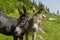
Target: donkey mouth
x,y
19,31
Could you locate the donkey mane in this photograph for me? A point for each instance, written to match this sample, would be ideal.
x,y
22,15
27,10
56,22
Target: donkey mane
x,y
1,13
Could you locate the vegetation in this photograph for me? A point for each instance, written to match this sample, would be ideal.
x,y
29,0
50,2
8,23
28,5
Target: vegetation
x,y
52,28
9,6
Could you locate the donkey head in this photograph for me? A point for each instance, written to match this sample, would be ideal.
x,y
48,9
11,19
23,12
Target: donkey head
x,y
22,22
38,13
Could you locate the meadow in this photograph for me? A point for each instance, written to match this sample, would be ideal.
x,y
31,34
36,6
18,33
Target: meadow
x,y
51,28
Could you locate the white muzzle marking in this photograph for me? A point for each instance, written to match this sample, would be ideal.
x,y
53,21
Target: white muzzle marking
x,y
18,30
35,26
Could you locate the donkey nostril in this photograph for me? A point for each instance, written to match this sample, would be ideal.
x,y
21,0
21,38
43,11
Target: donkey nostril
x,y
39,18
15,33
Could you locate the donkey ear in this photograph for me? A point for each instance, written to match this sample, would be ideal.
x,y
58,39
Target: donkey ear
x,y
34,9
41,8
20,11
24,9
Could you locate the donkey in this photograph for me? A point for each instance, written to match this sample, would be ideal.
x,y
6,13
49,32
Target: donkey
x,y
22,25
13,26
34,22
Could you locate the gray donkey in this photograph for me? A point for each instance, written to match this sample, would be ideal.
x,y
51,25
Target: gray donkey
x,y
22,24
13,26
34,23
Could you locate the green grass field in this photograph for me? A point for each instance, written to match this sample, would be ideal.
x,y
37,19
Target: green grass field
x,y
52,28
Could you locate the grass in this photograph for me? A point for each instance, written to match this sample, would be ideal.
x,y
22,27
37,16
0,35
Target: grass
x,y
52,28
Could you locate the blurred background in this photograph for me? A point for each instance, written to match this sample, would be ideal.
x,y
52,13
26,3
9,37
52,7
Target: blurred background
x,y
50,22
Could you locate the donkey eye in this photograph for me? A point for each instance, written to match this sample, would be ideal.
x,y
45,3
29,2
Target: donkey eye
x,y
22,21
39,18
